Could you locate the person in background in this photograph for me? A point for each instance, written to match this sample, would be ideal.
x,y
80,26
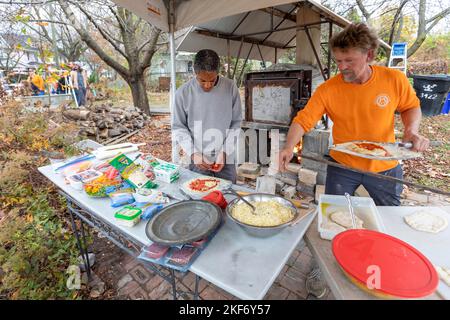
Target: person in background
x,y
79,82
361,101
207,118
36,83
62,83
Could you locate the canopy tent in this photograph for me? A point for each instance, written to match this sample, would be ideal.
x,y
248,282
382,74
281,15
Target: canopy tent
x,y
260,30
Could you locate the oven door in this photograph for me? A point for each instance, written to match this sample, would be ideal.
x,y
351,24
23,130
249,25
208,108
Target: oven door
x,y
271,101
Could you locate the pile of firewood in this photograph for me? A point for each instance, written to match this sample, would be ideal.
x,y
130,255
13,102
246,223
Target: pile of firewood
x,y
102,122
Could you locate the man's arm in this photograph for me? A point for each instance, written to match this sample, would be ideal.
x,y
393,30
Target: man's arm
x,y
411,121
295,133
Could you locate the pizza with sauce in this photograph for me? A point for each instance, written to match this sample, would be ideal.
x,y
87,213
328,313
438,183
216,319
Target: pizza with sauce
x,y
202,185
372,149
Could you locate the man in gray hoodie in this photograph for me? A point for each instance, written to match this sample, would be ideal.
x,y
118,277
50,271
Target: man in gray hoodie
x,y
207,117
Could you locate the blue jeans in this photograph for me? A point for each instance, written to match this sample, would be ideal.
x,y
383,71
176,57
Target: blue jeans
x,y
81,96
383,192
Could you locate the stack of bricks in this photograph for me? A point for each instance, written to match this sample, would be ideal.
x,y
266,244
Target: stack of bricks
x,y
315,144
306,178
277,142
312,174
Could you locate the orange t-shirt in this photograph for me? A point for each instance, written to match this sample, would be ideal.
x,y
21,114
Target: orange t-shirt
x,y
361,112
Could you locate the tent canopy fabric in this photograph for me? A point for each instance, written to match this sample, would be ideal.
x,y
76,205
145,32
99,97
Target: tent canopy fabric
x,y
192,12
246,26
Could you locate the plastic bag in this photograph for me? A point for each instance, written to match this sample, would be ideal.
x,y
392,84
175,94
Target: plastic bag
x,y
121,197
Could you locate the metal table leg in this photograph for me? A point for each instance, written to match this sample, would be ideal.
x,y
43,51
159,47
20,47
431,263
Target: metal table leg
x,y
197,280
120,240
81,243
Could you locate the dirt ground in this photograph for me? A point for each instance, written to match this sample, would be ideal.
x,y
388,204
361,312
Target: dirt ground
x,y
433,169
157,136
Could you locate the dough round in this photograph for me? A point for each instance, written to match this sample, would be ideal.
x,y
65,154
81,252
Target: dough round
x,y
344,219
331,226
207,185
444,274
426,221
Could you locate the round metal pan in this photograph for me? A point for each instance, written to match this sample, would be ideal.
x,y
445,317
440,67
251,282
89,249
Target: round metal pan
x,y
184,222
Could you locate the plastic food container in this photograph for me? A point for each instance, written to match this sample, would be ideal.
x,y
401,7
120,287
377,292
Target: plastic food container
x,y
384,266
76,180
156,251
182,256
128,216
101,186
166,172
153,196
363,207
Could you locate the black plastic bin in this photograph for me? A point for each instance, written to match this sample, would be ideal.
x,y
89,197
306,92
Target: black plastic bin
x,y
431,90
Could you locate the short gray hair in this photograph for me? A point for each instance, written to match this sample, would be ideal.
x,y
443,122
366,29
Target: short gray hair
x,y
206,60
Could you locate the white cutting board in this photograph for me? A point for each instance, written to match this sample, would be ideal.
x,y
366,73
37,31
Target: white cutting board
x,y
116,149
436,247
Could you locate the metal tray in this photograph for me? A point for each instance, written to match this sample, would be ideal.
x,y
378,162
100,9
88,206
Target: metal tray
x,y
184,222
396,151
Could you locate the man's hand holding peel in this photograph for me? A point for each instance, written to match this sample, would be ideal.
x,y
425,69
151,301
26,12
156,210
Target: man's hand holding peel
x,y
420,143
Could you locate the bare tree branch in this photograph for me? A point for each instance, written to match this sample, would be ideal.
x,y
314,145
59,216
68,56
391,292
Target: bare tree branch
x,y
395,20
104,34
363,9
423,29
91,42
150,51
439,16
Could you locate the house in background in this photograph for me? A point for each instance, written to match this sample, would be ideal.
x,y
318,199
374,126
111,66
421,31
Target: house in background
x,y
17,52
159,72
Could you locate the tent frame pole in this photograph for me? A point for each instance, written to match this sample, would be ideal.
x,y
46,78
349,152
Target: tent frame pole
x,y
237,58
315,54
330,35
228,59
173,87
172,51
243,67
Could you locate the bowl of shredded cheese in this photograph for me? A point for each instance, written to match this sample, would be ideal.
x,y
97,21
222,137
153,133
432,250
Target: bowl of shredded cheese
x,y
273,213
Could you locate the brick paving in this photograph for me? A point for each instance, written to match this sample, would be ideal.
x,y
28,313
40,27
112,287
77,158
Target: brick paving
x,y
132,280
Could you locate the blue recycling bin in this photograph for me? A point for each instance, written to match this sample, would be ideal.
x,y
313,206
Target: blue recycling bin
x,y
431,91
446,107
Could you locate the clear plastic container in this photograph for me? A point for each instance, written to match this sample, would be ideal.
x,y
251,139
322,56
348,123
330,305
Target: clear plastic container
x,y
364,208
128,216
166,172
155,251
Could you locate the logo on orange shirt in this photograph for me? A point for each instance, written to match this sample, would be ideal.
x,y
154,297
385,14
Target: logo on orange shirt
x,y
382,100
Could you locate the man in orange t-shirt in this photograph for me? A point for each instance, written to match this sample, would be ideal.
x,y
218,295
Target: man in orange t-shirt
x,y
361,102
